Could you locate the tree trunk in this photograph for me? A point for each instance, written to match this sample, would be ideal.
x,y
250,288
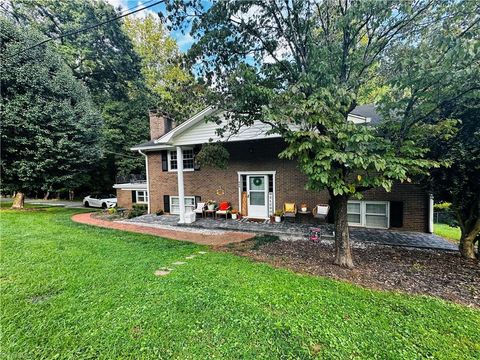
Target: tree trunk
x,y
18,200
467,240
343,253
47,195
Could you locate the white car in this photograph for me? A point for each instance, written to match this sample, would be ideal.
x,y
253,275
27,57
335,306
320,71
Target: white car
x,y
100,201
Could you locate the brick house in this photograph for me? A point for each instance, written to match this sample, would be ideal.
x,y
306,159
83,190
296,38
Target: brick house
x,y
256,181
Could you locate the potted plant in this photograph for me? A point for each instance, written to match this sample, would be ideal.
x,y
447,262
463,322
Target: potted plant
x,y
278,216
234,214
303,207
211,204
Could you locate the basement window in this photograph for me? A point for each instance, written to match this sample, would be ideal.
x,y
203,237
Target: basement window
x,y
371,214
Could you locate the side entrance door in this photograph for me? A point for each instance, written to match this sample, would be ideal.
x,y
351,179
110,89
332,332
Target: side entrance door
x,y
257,196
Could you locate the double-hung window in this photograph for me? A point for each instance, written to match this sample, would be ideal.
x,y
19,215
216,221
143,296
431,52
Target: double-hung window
x,y
188,160
175,204
374,214
142,197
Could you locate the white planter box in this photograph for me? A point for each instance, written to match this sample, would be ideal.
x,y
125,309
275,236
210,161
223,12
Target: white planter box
x,y
278,219
190,217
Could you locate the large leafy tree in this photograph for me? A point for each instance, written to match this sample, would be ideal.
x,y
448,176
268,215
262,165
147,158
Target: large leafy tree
x,y
173,88
434,78
104,59
49,129
459,183
301,66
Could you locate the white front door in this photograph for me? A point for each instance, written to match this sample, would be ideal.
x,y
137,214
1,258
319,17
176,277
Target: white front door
x,y
257,193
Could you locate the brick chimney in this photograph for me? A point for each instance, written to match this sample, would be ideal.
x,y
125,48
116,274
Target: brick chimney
x,y
160,124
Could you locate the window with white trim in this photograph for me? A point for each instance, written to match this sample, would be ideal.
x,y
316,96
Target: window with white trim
x,y
142,197
188,160
175,204
373,214
354,213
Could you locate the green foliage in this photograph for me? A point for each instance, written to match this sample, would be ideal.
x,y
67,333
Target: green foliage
x,y
443,206
278,212
301,67
308,66
49,128
174,89
53,270
458,184
137,210
104,59
213,154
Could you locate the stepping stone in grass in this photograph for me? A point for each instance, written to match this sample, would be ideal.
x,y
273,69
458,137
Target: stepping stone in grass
x,y
190,257
179,263
162,272
202,252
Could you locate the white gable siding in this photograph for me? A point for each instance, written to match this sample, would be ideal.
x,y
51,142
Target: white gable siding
x,y
202,132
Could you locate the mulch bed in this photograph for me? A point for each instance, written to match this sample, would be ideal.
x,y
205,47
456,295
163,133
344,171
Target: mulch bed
x,y
416,271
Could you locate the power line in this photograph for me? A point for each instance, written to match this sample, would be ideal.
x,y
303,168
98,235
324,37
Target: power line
x,y
86,28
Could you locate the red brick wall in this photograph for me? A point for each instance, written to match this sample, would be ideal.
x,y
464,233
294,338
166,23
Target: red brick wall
x,y
124,198
289,182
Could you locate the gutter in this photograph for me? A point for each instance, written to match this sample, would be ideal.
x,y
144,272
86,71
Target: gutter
x,y
148,183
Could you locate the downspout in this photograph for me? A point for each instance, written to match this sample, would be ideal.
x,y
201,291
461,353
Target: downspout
x,y
430,213
148,183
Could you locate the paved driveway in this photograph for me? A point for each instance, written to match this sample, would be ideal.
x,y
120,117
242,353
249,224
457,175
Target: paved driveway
x,y
62,203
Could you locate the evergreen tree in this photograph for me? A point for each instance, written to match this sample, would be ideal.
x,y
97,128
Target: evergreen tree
x,y
49,130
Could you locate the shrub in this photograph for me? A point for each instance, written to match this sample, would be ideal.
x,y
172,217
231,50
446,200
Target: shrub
x,y
140,207
112,211
137,210
444,206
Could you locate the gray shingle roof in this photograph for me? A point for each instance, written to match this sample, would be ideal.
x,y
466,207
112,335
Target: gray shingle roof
x,y
369,111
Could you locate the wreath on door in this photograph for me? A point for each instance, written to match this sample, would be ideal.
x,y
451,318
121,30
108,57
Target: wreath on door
x,y
257,181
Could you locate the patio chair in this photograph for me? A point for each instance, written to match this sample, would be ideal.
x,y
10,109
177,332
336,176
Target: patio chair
x,y
200,208
320,211
290,211
223,209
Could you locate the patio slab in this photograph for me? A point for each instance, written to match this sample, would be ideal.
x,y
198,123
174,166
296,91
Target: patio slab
x,y
198,236
287,229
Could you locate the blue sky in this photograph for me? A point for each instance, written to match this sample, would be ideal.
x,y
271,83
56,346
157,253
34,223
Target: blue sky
x,y
184,41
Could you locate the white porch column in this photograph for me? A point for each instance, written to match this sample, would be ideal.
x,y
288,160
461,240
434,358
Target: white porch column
x,y
181,189
148,183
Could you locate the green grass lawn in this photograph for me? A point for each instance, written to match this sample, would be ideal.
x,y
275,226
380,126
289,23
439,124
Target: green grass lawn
x,y
446,231
74,291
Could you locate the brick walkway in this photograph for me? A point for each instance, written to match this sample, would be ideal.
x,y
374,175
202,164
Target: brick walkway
x,y
195,237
